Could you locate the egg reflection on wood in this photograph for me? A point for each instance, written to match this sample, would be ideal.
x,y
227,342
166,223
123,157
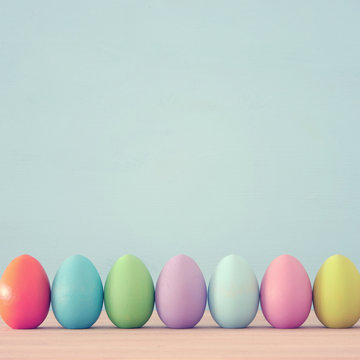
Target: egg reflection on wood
x,y
285,293
77,293
181,293
24,293
233,293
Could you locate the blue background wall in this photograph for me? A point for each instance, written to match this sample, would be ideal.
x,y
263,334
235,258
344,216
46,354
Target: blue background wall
x,y
197,127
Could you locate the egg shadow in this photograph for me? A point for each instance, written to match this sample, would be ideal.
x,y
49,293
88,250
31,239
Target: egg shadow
x,y
196,328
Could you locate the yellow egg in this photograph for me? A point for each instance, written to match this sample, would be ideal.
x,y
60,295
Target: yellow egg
x,y
336,293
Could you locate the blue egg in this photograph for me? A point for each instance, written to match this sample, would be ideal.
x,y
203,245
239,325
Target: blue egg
x,y
77,293
233,293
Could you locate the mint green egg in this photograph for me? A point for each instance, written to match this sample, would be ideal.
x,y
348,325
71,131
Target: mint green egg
x,y
233,293
129,293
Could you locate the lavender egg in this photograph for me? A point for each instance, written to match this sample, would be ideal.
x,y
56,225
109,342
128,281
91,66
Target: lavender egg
x,y
180,293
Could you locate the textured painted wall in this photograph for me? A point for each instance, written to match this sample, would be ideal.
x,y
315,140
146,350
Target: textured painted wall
x,y
197,127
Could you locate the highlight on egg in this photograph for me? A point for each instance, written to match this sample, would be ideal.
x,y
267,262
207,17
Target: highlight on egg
x,y
129,293
286,293
24,293
336,293
181,293
233,293
77,293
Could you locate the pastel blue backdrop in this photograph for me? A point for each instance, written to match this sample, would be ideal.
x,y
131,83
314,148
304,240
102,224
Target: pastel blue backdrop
x,y
165,127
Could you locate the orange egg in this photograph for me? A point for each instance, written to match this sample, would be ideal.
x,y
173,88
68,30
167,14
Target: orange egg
x,y
24,293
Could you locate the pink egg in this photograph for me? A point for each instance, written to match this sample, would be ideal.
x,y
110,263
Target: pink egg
x,y
181,293
286,293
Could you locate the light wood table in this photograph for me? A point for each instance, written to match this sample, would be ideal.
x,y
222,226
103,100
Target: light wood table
x,y
154,341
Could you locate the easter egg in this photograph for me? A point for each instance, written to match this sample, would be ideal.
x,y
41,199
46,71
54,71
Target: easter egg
x,y
285,293
180,293
77,293
129,293
233,293
24,293
337,293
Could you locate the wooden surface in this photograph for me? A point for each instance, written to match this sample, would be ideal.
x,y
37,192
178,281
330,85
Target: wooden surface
x,y
154,341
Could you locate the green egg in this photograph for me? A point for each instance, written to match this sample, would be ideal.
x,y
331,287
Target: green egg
x,y
129,293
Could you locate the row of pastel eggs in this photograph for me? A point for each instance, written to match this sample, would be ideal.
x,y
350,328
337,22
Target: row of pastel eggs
x,y
77,294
